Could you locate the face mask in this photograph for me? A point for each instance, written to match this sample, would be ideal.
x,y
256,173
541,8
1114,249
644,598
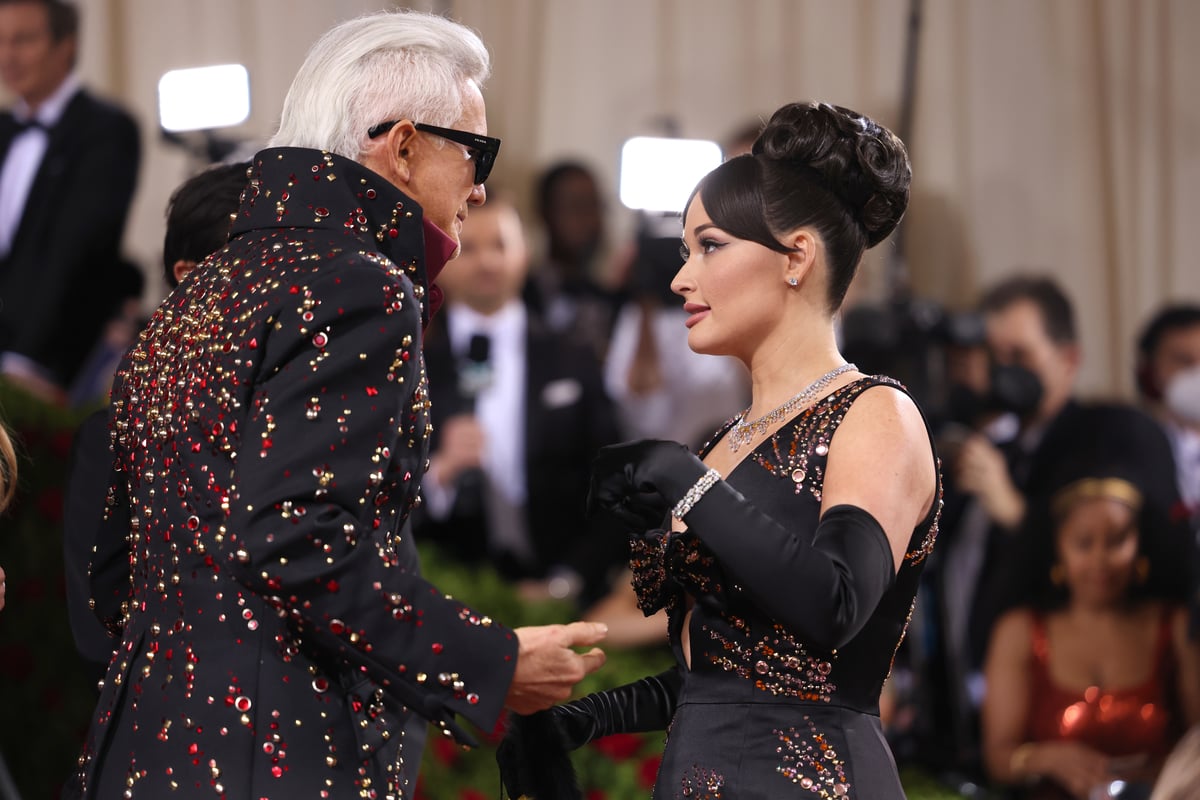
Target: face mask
x,y
1183,394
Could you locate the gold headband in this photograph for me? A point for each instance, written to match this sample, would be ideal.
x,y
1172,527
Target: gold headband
x,y
1090,488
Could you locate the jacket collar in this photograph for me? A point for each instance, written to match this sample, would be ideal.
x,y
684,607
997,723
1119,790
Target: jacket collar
x,y
294,187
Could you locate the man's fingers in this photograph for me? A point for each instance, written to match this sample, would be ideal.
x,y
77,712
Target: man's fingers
x,y
579,634
593,660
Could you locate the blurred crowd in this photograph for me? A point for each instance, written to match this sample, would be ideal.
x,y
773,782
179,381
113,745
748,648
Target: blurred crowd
x,y
1054,646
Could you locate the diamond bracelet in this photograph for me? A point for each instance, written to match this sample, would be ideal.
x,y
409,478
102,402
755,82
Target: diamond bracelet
x,y
706,482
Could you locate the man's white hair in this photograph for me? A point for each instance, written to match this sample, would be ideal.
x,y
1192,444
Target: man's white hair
x,y
389,65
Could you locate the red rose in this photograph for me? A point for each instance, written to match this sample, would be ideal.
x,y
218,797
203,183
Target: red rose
x,y
595,794
620,746
648,771
472,794
60,444
497,733
445,751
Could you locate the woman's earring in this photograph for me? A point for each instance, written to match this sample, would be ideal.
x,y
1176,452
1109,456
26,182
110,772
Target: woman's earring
x,y
793,281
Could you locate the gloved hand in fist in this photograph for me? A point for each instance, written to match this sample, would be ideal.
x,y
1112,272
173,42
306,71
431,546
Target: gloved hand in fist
x,y
639,482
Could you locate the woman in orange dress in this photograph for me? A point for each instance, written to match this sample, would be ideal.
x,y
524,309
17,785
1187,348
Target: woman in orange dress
x,y
1093,679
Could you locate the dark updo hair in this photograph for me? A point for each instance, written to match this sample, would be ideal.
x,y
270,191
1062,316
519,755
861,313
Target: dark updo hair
x,y
819,166
1099,441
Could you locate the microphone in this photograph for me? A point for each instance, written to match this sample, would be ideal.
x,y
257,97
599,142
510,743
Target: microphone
x,y
475,371
474,376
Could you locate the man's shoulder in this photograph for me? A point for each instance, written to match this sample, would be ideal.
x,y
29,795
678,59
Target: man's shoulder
x,y
539,335
313,261
84,104
1086,421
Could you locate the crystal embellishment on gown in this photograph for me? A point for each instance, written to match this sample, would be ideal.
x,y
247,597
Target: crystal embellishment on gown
x,y
701,784
776,663
811,763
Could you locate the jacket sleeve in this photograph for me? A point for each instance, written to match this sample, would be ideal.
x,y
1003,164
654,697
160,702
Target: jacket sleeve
x,y
95,547
329,446
826,589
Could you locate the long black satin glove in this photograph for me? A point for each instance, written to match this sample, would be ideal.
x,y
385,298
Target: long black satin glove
x,y
645,705
824,587
533,754
639,482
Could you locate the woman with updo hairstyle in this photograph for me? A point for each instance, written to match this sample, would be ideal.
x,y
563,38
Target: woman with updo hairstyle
x,y
787,550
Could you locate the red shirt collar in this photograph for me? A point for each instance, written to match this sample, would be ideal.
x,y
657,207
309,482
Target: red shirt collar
x,y
439,249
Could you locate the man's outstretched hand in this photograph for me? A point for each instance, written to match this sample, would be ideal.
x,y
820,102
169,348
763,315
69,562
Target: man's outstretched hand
x,y
547,666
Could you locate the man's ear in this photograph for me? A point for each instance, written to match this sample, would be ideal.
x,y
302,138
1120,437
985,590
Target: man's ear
x,y
401,144
181,268
1074,355
68,49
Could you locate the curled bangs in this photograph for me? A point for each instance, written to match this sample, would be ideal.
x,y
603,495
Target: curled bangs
x,y
732,196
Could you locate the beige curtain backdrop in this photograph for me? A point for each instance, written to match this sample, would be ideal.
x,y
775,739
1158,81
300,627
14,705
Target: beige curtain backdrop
x,y
1048,135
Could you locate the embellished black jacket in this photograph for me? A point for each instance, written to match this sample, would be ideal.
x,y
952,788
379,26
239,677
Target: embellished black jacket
x,y
269,432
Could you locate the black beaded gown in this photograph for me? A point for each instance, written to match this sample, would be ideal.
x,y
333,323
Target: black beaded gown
x,y
762,712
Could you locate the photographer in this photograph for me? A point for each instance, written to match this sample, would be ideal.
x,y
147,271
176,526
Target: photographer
x,y
1011,380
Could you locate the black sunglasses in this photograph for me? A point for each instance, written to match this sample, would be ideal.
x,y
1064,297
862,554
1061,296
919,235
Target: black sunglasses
x,y
483,148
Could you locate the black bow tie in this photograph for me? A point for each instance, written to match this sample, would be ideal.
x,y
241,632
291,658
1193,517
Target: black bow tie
x,y
22,125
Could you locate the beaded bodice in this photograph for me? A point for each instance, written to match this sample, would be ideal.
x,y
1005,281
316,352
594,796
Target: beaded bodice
x,y
738,653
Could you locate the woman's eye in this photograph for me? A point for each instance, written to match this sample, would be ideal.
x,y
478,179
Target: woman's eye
x,y
709,246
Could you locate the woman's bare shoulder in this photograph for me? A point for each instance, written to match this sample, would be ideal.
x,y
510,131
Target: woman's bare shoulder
x,y
884,413
1013,632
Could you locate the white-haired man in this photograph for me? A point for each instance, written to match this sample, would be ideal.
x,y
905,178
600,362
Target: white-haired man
x,y
270,431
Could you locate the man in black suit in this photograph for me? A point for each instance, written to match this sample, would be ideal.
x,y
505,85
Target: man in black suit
x,y
269,435
68,168
517,422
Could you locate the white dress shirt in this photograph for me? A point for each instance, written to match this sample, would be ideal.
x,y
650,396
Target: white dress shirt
x,y
21,165
698,393
500,409
25,155
1185,444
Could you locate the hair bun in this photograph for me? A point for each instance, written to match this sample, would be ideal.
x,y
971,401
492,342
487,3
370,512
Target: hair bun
x,y
859,161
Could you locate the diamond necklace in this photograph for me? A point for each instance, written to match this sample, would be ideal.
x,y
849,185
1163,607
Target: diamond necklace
x,y
743,432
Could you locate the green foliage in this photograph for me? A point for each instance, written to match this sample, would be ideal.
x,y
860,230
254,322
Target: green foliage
x,y
46,695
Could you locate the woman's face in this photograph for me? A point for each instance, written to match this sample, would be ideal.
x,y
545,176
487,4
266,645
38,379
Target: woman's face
x,y
732,288
1097,549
